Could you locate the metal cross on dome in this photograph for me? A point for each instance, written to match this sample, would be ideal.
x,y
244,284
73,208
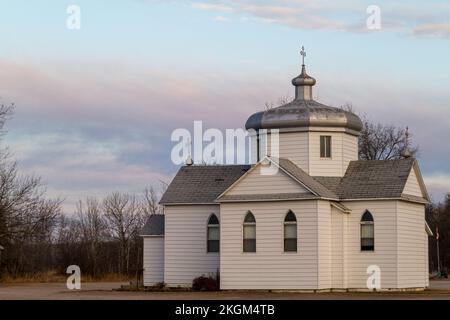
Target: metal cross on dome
x,y
303,53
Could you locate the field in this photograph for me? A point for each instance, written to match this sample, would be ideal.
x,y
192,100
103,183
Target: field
x,y
439,289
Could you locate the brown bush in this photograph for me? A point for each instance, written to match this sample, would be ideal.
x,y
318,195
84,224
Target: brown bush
x,y
205,284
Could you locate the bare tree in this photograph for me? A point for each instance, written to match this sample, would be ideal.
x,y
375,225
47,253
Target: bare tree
x,y
151,199
122,212
23,209
27,219
150,202
6,112
93,230
281,101
67,242
382,142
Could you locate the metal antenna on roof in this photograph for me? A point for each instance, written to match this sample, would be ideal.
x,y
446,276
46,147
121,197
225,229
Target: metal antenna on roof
x,y
189,161
406,152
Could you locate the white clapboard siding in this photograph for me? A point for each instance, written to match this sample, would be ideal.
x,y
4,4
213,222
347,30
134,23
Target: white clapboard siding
x,y
385,254
349,150
256,182
254,149
412,186
325,166
337,249
344,148
153,260
425,260
412,247
303,149
324,244
294,146
269,267
186,244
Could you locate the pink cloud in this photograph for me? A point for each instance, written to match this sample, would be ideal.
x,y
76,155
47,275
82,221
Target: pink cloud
x,y
434,30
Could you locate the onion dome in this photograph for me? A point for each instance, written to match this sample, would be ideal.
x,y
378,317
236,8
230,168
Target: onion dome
x,y
303,111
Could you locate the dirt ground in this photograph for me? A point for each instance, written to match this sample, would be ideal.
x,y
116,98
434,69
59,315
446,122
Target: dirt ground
x,y
439,289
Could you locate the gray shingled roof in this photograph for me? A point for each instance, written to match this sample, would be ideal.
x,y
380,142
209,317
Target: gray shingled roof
x,y
201,183
154,226
306,179
331,183
268,197
371,179
363,179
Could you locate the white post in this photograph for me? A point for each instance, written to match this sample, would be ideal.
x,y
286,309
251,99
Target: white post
x,y
438,262
437,250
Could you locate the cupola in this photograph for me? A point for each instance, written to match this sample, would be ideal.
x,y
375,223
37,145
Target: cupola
x,y
320,139
304,111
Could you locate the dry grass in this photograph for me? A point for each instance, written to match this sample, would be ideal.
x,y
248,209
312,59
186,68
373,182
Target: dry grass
x,y
110,277
53,276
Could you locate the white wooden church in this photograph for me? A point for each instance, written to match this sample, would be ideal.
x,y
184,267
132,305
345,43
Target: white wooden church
x,y
319,223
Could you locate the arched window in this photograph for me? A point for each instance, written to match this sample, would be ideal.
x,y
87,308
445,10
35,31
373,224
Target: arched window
x,y
290,232
213,234
367,232
249,242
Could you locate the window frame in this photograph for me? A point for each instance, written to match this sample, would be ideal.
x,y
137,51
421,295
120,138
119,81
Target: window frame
x,y
327,146
290,223
248,224
363,222
208,227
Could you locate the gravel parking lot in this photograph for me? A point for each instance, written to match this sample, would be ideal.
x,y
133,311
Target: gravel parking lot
x,y
439,289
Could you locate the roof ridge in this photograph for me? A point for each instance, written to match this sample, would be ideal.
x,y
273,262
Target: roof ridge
x,y
320,190
367,179
201,184
215,165
383,160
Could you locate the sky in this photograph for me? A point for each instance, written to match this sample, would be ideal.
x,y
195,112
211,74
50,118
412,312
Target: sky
x,y
96,106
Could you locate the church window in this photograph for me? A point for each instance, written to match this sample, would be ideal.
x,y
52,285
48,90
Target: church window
x,y
249,230
290,232
367,232
325,146
213,234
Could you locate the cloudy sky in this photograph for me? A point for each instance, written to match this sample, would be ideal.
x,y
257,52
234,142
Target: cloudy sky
x,y
95,107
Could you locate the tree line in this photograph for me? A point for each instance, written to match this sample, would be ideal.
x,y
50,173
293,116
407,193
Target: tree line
x,y
438,218
102,236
